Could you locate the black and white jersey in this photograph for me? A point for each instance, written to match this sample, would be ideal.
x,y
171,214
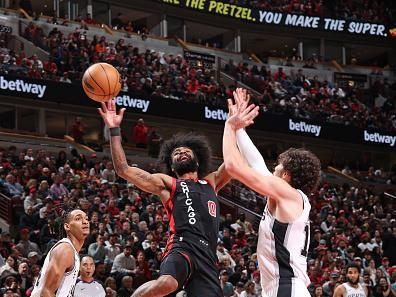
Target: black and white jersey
x,y
282,254
66,287
353,292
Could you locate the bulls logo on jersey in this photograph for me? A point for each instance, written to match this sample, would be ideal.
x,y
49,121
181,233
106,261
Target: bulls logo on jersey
x,y
212,208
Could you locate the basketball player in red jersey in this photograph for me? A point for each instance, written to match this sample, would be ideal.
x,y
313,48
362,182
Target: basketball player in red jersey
x,y
284,229
188,193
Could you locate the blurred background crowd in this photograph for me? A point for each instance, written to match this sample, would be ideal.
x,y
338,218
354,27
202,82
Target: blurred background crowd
x,y
349,224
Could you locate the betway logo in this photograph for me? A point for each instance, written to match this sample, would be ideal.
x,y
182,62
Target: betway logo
x,y
304,127
217,114
20,85
378,138
127,101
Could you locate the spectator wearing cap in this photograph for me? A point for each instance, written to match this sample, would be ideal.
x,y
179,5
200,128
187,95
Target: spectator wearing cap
x,y
33,258
25,246
124,264
365,243
32,201
358,261
226,286
329,286
11,287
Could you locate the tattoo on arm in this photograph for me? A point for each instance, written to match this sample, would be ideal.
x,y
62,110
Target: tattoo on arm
x,y
118,155
144,176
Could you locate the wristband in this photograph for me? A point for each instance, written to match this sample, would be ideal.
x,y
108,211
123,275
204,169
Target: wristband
x,y
116,131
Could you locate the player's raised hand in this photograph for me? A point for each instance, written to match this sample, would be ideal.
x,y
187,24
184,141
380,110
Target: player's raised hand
x,y
241,117
242,98
109,114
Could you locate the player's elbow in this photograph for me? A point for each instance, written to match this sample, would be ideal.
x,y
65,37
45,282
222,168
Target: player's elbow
x,y
121,170
230,167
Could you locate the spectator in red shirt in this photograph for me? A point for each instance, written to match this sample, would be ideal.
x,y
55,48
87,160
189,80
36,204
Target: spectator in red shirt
x,y
78,130
112,209
139,134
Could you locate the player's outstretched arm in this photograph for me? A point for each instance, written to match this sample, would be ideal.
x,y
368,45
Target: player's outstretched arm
x,y
219,178
236,166
159,184
61,260
245,144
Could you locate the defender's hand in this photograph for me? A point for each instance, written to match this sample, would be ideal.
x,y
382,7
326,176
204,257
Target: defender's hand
x,y
241,118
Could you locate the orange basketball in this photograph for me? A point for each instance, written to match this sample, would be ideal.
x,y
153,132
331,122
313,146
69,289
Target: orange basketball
x,y
101,82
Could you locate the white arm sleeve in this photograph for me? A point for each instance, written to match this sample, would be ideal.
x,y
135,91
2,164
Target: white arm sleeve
x,y
251,153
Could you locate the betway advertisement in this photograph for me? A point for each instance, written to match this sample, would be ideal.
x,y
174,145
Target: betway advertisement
x,y
71,94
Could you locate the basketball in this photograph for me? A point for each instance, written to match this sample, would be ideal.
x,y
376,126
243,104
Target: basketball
x,y
101,82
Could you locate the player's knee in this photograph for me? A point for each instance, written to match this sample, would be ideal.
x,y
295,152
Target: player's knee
x,y
167,284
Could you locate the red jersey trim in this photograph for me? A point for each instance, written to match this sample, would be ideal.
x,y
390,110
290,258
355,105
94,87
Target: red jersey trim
x,y
169,209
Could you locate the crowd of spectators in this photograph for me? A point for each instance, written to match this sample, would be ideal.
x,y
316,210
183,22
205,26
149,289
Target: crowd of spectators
x,y
129,228
159,75
300,96
147,73
372,174
380,11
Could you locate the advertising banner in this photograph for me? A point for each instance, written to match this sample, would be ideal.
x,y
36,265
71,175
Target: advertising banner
x,y
65,93
259,16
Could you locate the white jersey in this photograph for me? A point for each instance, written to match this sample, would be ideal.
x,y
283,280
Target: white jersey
x,y
282,254
84,289
69,279
353,292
